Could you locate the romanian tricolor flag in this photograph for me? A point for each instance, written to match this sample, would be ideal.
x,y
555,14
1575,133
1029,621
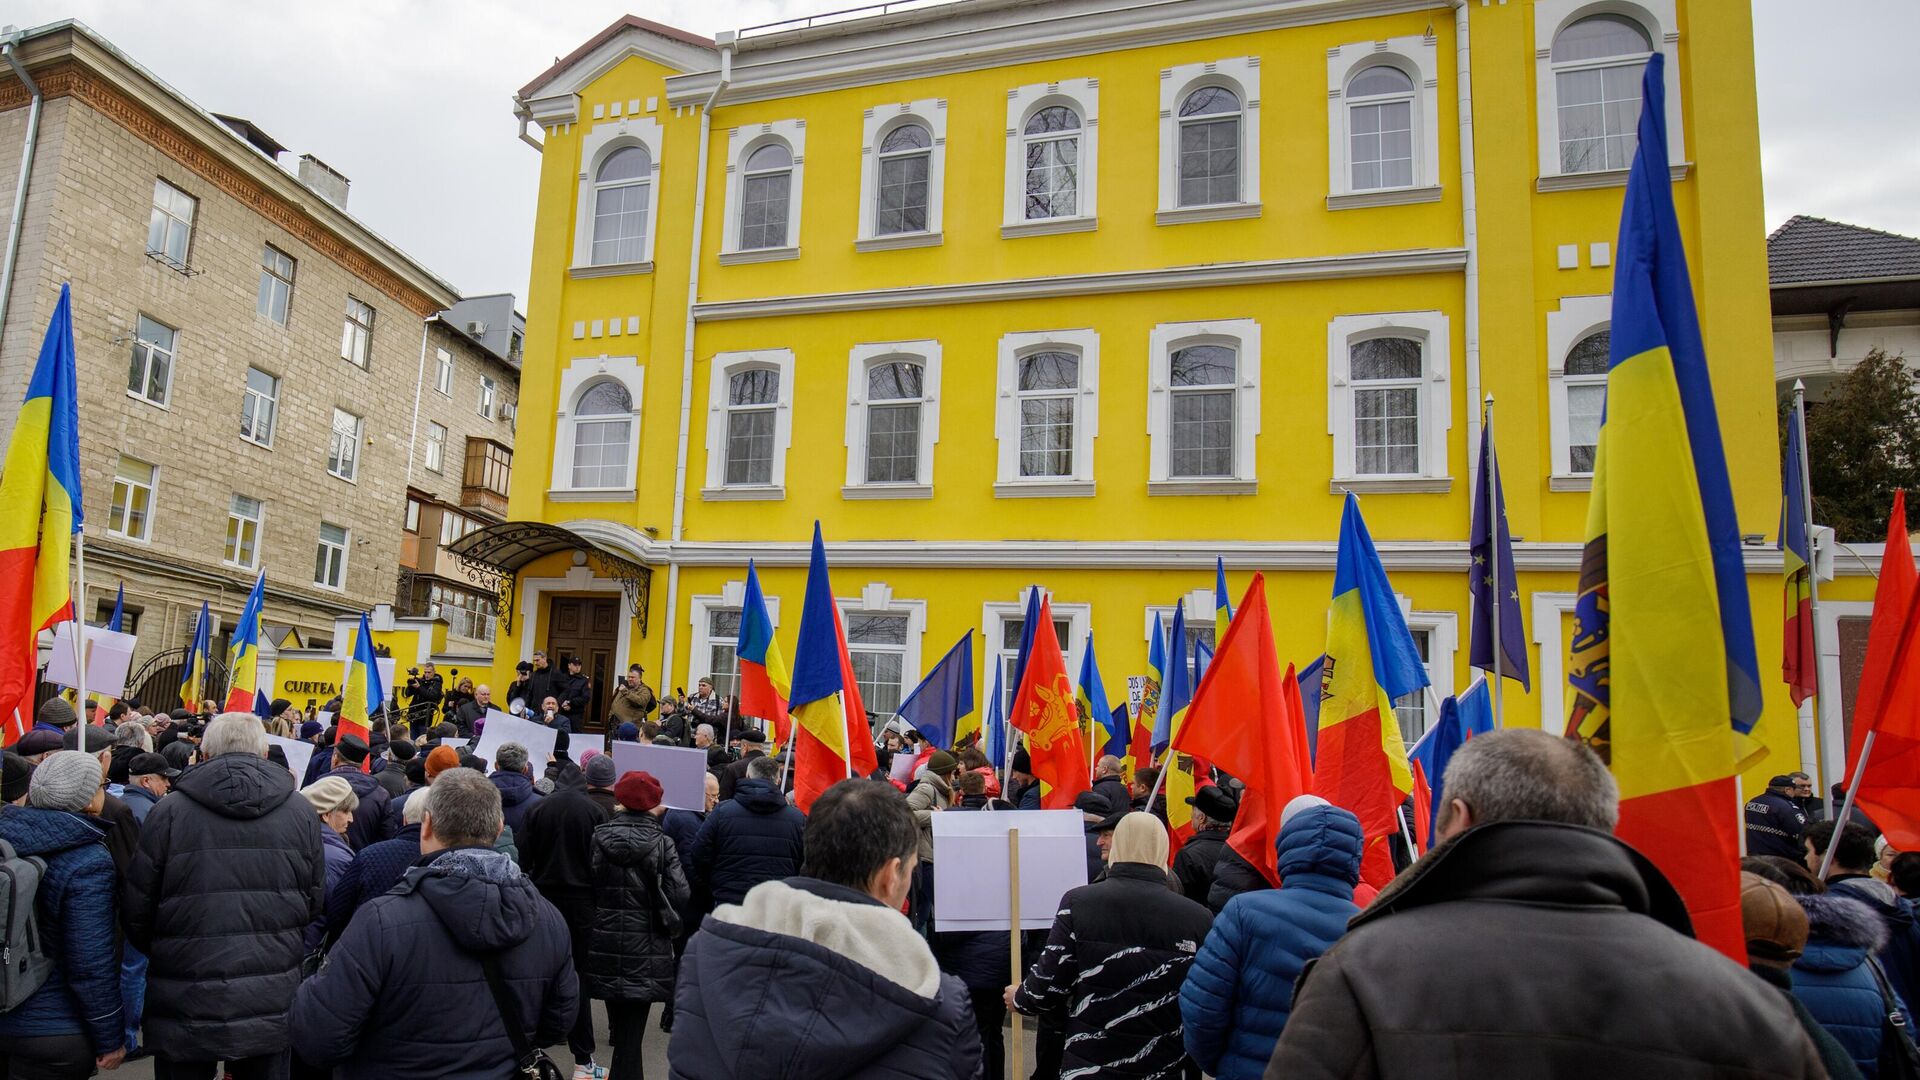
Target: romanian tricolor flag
x,y
1091,697
831,723
1222,606
1177,776
1798,664
243,656
1361,763
1043,708
193,674
40,511
1663,654
765,681
361,695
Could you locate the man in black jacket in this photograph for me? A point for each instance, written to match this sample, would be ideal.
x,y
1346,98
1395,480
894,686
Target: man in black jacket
x,y
404,995
227,876
556,845
575,693
1213,810
751,838
753,745
425,688
1109,780
370,822
1528,856
1775,825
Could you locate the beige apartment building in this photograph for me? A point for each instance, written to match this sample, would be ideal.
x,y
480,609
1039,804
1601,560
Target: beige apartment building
x,y
264,380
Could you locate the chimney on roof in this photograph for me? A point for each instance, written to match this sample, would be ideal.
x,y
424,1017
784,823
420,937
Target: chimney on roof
x,y
324,180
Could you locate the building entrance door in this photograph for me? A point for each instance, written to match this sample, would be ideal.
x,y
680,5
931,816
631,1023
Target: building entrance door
x,y
588,628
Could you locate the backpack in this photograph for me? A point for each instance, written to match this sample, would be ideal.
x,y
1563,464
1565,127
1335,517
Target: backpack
x,y
24,963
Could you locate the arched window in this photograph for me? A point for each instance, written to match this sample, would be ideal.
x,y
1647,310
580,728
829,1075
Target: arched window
x,y
753,397
1597,64
765,193
1201,381
905,155
895,393
1380,128
1050,142
1586,388
1209,162
1386,378
622,189
1049,395
602,436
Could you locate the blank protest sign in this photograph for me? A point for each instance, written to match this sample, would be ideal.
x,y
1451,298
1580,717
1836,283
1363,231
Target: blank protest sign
x,y
502,729
681,770
299,753
970,884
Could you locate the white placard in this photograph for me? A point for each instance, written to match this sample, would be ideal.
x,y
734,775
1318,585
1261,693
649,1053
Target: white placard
x,y
681,770
1136,694
501,728
385,665
324,717
457,744
970,891
578,744
902,766
109,656
299,756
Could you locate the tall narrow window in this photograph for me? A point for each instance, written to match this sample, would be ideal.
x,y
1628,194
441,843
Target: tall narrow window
x,y
243,532
723,643
1051,143
258,405
765,192
622,189
877,648
436,451
905,154
1380,128
130,511
443,372
1200,420
753,397
1586,385
276,284
1210,147
1012,629
894,396
170,226
486,396
356,334
1411,709
330,557
343,446
1049,393
150,375
602,436
1597,64
1386,406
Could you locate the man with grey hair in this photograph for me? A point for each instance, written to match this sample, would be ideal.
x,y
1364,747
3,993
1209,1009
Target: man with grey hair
x,y
1531,942
513,775
753,837
227,875
463,908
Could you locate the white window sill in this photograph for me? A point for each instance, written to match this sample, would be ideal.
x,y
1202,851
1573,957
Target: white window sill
x,y
1220,485
896,241
759,255
745,493
1219,212
329,588
590,495
1390,485
146,540
609,270
1049,226
145,400
354,479
1043,489
256,444
1604,178
887,491
1354,200
1570,483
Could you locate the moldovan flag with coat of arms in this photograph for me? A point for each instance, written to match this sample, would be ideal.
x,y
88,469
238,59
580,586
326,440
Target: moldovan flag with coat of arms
x,y
831,723
361,695
39,513
764,679
1043,708
1662,659
243,656
1371,660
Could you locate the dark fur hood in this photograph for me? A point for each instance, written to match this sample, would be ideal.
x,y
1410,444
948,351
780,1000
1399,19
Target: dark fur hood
x,y
1841,920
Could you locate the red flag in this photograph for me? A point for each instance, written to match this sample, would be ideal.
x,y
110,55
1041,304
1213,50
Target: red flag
x,y
1043,707
1246,718
1422,809
1891,598
1886,706
859,732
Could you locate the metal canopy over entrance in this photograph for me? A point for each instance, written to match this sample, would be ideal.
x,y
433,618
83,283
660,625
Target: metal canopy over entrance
x,y
492,556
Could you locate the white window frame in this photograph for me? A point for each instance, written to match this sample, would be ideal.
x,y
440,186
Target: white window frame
x,y
1198,606
860,360
443,372
128,485
1567,326
1241,75
732,597
1661,21
350,475
271,281
1415,56
1432,329
354,330
269,403
1443,646
435,454
875,125
172,219
877,599
994,614
487,394
259,522
600,141
1244,336
575,380
1083,97
1549,672
340,551
723,367
741,143
149,348
1009,484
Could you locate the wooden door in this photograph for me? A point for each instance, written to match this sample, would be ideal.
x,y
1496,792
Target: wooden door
x,y
589,628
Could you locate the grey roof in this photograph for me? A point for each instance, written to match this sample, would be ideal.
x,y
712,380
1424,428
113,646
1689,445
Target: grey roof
x,y
1807,250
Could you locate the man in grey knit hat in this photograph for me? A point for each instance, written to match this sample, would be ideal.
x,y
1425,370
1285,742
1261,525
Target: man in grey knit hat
x,y
56,715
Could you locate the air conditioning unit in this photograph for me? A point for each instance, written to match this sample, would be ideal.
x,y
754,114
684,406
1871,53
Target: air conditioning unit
x,y
476,328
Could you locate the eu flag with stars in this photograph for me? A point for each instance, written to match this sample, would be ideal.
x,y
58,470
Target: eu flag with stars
x,y
1491,541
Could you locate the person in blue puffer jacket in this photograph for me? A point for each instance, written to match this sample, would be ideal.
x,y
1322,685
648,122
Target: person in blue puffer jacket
x,y
1832,978
1239,991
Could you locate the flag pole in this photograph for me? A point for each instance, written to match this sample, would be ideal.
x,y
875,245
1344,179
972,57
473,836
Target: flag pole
x,y
1493,552
1813,596
1846,808
80,634
786,759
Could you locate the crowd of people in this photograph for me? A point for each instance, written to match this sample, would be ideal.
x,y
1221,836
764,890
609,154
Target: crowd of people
x,y
409,910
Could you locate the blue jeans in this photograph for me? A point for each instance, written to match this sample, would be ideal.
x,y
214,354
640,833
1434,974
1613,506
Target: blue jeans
x,y
133,992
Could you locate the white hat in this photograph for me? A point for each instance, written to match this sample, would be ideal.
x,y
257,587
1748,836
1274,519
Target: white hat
x,y
1298,804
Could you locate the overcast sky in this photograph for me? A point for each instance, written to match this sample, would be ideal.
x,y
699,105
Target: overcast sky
x,y
412,101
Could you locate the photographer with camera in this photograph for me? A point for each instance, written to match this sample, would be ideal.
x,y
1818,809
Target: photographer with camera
x,y
425,688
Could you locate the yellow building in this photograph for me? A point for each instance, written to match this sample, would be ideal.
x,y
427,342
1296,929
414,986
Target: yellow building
x,y
1087,293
